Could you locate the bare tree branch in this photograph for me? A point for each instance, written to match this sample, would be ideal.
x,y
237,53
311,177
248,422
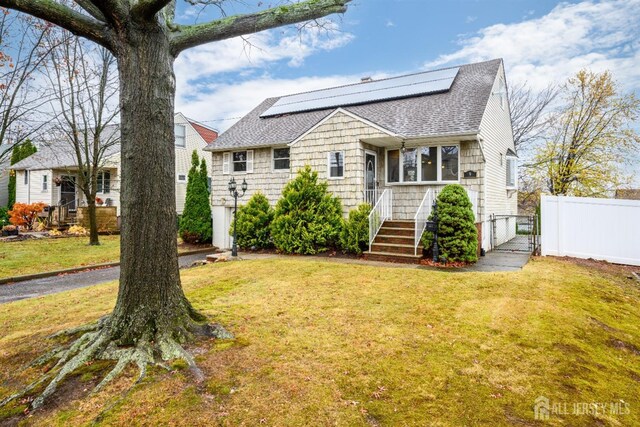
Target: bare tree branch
x,y
185,37
63,16
148,8
528,112
91,9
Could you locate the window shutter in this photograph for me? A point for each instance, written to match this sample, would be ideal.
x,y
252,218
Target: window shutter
x,y
226,158
249,161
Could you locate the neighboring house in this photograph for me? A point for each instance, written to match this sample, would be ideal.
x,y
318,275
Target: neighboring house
x,y
629,194
410,135
4,183
49,175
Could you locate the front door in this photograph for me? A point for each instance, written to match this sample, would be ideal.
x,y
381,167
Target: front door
x,y
68,192
370,177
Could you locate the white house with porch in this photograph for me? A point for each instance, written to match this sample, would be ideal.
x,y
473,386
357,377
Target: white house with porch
x,y
393,143
50,174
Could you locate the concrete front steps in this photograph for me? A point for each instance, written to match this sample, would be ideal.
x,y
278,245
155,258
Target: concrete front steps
x,y
394,243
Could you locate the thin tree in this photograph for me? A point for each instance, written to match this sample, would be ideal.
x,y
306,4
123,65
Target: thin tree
x,y
590,139
152,316
85,106
22,52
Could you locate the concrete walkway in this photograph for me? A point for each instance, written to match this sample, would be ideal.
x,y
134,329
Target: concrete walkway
x,y
60,283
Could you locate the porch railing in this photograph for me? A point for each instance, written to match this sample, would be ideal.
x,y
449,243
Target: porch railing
x,y
372,196
381,212
421,217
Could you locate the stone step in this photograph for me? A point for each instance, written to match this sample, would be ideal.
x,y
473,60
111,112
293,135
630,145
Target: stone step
x,y
395,231
403,240
391,257
395,248
399,224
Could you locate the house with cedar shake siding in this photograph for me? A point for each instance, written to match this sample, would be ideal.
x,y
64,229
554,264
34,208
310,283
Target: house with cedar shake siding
x,y
395,141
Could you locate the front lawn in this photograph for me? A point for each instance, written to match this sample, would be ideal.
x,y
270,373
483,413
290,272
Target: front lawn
x,y
41,255
324,343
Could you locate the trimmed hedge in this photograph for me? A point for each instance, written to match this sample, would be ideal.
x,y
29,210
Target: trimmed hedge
x,y
307,218
457,233
254,222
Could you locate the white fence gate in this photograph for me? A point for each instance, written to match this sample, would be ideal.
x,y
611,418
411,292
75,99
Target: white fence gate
x,y
582,227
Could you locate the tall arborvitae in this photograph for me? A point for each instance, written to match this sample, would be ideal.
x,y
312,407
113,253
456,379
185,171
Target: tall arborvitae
x,y
195,223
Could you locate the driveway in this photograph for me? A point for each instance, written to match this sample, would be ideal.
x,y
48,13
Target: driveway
x,y
55,284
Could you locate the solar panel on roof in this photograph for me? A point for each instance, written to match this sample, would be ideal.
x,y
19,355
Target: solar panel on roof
x,y
379,90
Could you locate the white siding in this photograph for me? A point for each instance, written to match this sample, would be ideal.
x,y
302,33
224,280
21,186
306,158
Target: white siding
x,y
33,193
497,138
183,158
4,184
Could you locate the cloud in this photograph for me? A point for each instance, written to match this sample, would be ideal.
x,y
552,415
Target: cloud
x,y
595,35
470,19
239,98
390,24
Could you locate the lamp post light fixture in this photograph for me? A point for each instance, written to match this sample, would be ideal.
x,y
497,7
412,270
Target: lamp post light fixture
x,y
233,190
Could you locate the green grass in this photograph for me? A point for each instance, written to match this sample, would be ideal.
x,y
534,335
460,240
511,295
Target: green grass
x,y
41,255
36,256
324,343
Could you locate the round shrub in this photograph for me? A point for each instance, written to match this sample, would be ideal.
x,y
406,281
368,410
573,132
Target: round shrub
x,y
457,233
354,236
307,218
253,221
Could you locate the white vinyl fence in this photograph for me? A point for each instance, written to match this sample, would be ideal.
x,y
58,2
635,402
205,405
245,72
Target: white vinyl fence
x,y
582,227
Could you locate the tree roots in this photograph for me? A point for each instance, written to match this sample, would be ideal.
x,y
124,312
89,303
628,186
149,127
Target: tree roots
x,y
96,344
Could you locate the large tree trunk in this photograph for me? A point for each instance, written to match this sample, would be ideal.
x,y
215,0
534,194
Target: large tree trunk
x,y
150,302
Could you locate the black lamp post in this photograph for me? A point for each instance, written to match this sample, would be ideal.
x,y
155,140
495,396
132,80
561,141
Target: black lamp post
x,y
233,190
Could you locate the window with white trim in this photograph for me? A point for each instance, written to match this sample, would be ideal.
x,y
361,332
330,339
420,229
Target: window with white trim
x,y
424,165
180,133
26,177
45,182
182,177
281,158
512,172
237,161
336,164
104,182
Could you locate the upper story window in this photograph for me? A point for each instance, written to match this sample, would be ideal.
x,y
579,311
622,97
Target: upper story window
x,y
281,158
336,164
45,182
180,133
237,161
26,177
512,170
431,164
104,182
182,177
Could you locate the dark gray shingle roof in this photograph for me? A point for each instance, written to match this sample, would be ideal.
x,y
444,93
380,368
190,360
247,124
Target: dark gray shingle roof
x,y
60,154
457,111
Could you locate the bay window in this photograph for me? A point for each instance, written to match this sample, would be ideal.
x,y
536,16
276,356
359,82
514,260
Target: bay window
x,y
432,164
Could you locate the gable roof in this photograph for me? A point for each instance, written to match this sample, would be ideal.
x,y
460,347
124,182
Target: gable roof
x,y
456,111
208,134
60,154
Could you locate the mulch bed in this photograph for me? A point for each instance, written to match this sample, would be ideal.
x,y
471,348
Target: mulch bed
x,y
447,265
